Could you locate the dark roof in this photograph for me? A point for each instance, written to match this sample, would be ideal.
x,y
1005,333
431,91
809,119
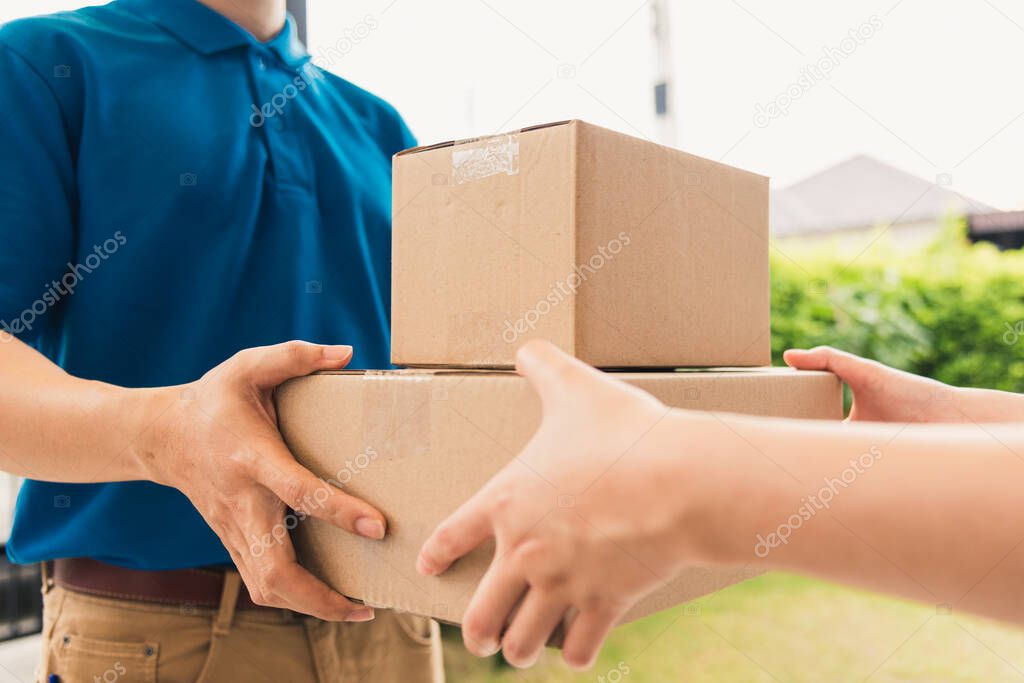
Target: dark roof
x,y
990,223
863,191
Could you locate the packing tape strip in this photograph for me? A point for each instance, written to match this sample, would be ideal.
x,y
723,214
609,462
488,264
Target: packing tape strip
x,y
483,157
396,413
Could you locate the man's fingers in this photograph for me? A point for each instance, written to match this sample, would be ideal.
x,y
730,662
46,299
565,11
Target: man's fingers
x,y
281,582
261,548
464,530
302,491
550,370
265,367
585,635
303,592
537,617
489,609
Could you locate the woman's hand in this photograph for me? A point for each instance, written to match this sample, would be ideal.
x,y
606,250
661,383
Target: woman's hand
x,y
881,393
583,518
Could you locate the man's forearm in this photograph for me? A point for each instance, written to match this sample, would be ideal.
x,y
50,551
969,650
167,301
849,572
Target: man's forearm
x,y
926,512
56,427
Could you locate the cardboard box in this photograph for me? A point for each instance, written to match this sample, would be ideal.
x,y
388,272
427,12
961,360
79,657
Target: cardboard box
x,y
624,253
416,444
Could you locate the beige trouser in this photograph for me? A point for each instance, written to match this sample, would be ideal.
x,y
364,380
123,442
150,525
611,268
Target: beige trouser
x,y
88,638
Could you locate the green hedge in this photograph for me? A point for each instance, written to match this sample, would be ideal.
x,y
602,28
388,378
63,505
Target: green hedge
x,y
953,311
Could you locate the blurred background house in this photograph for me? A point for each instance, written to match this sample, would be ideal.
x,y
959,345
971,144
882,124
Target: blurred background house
x,y
855,201
861,200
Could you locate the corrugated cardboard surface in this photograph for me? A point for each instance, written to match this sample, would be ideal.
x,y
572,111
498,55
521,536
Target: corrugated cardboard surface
x,y
691,287
485,261
467,257
416,444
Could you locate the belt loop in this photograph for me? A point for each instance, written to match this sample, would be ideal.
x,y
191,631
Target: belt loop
x,y
46,571
228,602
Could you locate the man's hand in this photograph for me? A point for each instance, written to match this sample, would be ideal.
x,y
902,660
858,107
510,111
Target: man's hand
x,y
216,440
582,518
881,393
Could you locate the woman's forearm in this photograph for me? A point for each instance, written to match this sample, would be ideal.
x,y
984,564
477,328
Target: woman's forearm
x,y
56,427
989,405
927,512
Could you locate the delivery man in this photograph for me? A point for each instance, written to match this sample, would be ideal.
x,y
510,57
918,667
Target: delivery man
x,y
183,195
890,501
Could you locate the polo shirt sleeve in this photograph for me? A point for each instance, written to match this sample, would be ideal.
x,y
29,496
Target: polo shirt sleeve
x,y
37,197
405,136
394,133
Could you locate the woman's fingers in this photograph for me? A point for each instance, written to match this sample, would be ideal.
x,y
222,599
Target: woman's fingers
x,y
585,635
491,606
538,616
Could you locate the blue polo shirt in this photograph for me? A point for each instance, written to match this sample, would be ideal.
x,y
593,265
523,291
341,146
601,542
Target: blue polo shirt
x,y
173,191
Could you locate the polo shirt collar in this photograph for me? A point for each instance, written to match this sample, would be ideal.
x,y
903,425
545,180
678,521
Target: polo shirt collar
x,y
208,32
287,45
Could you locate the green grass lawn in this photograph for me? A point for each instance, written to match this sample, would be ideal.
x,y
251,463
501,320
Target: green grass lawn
x,y
784,628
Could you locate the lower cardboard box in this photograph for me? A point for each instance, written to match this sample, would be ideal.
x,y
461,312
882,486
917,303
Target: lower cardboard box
x,y
417,443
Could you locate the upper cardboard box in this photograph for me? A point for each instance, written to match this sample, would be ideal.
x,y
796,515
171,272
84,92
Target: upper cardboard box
x,y
623,252
417,443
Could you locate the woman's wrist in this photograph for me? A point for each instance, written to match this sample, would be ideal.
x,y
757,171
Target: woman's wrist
x,y
730,486
702,524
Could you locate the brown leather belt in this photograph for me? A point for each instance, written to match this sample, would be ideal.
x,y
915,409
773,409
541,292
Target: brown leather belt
x,y
187,588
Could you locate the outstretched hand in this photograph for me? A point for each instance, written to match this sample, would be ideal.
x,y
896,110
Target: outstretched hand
x,y
582,518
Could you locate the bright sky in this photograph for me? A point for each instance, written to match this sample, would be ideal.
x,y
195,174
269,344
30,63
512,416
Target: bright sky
x,y
929,90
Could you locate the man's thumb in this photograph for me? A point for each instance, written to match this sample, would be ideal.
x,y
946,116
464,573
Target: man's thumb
x,y
268,366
